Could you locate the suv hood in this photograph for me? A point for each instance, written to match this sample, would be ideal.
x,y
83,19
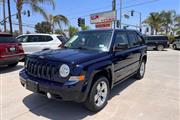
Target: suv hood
x,y
74,56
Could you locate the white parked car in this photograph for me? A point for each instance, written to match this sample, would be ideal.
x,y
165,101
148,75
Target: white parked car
x,y
38,42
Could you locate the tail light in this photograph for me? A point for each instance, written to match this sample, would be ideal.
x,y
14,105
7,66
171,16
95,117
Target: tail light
x,y
61,46
20,47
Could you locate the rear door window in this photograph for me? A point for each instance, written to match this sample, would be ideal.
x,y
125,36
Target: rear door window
x,y
39,38
133,40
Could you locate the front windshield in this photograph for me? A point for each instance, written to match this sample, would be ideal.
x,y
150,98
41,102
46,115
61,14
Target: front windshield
x,y
91,40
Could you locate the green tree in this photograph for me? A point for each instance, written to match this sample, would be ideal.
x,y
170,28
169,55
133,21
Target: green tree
x,y
57,20
84,27
15,33
154,21
59,31
168,18
43,27
72,31
177,25
35,5
28,32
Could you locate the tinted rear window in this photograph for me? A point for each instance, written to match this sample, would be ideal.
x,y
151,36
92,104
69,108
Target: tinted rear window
x,y
156,38
7,39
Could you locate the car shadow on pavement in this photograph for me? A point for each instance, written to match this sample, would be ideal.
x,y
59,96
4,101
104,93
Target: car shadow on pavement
x,y
5,69
52,109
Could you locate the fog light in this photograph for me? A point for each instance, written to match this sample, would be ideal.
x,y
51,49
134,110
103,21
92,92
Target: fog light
x,y
49,95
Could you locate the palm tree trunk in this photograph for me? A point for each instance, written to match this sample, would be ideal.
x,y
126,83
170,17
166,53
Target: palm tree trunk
x,y
10,21
166,29
152,30
156,31
4,15
20,20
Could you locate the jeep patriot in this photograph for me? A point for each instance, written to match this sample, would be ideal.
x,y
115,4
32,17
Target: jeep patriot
x,y
88,66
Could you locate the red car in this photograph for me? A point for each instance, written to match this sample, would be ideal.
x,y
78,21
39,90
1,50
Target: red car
x,y
11,50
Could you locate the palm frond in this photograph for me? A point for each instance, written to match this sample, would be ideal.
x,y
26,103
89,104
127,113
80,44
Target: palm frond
x,y
38,9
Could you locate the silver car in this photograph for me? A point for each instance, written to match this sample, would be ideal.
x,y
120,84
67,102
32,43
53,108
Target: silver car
x,y
176,43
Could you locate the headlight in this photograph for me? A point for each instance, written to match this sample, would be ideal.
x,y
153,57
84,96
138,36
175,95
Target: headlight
x,y
64,70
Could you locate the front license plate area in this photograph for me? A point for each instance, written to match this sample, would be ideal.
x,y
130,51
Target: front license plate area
x,y
32,86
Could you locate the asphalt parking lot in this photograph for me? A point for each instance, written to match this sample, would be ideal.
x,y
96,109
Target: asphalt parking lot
x,y
156,97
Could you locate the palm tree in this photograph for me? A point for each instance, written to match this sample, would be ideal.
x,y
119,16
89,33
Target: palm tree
x,y
177,25
34,5
72,31
168,18
84,27
57,20
154,21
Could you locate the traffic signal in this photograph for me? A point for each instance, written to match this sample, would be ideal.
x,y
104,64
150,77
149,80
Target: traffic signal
x,y
118,24
83,22
114,5
79,22
28,13
125,27
132,13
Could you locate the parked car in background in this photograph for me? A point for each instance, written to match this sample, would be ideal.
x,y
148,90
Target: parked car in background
x,y
176,43
11,50
158,42
39,42
88,67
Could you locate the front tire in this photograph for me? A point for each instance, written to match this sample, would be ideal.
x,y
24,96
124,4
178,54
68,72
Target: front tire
x,y
160,47
141,71
174,47
98,95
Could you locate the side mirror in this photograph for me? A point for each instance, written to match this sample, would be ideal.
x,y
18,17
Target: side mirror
x,y
120,46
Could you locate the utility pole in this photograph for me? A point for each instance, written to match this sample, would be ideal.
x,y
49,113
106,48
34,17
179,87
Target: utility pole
x,y
4,15
140,20
120,20
10,21
114,9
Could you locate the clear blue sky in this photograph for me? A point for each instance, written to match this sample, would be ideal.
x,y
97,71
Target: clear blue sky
x,y
83,8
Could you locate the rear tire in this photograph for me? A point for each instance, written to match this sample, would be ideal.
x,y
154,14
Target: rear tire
x,y
98,96
160,47
141,71
13,65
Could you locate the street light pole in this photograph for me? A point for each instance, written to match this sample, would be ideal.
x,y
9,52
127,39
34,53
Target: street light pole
x,y
120,20
10,21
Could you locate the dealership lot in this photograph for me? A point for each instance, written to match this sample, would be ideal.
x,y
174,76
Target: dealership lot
x,y
156,97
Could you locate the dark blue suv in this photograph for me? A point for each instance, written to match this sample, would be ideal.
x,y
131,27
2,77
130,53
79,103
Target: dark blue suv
x,y
89,65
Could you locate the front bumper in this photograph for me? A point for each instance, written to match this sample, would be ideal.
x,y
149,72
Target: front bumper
x,y
69,91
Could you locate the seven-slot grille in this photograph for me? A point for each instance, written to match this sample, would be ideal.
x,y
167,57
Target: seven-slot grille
x,y
41,70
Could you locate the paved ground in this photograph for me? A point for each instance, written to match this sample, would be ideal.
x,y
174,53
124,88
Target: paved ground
x,y
156,97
